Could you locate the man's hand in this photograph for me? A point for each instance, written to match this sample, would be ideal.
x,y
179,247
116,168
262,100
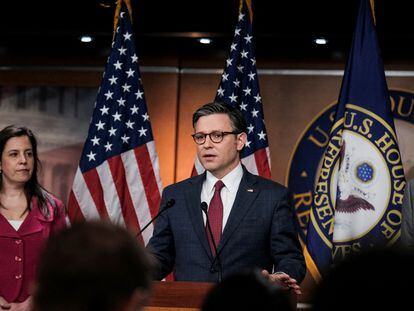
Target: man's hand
x,y
284,280
4,305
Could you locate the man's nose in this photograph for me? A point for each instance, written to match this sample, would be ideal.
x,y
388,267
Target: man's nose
x,y
208,143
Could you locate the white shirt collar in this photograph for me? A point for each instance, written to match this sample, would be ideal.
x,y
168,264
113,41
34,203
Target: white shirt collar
x,y
231,180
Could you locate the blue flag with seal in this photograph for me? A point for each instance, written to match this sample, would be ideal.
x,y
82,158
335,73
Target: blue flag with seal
x,y
360,188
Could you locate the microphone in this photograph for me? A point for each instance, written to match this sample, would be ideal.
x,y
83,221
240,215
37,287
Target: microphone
x,y
170,203
204,208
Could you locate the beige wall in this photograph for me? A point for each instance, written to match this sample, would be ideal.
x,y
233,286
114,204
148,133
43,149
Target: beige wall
x,y
290,104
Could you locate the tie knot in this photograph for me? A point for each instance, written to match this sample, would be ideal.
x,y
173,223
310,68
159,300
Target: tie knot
x,y
219,185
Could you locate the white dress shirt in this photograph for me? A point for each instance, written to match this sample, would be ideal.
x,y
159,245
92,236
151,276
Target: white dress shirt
x,y
15,223
228,192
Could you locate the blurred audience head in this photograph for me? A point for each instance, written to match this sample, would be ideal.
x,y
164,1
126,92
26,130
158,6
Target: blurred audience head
x,y
374,280
93,266
248,290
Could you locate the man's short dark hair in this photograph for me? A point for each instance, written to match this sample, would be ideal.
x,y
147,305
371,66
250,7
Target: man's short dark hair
x,y
238,123
91,266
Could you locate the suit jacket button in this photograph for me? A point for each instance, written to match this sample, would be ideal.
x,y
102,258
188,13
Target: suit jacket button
x,y
212,270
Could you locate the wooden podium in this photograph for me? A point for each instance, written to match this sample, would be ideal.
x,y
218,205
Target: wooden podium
x,y
189,296
177,296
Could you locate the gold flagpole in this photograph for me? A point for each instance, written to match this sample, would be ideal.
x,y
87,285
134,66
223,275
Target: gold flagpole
x,y
372,2
249,7
118,8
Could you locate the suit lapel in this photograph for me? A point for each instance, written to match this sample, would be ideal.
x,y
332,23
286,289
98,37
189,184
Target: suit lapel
x,y
245,197
193,200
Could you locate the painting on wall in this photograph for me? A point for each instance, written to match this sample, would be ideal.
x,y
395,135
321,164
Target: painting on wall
x,y
59,117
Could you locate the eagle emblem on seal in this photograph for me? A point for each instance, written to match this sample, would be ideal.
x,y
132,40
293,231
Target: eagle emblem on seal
x,y
350,197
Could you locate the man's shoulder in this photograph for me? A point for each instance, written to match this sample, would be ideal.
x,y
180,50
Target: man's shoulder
x,y
183,184
265,183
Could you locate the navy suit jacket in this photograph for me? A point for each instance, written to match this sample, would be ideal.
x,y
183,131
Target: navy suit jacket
x,y
259,233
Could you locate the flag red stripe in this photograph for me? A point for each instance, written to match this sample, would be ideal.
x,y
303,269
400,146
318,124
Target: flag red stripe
x,y
194,171
127,207
148,178
92,181
262,163
74,212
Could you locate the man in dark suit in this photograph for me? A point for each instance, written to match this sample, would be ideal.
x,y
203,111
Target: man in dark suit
x,y
251,217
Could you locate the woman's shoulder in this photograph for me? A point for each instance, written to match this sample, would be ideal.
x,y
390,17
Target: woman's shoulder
x,y
54,207
52,199
55,200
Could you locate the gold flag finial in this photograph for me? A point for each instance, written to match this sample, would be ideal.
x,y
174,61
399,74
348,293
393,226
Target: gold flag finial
x,y
249,7
372,2
118,8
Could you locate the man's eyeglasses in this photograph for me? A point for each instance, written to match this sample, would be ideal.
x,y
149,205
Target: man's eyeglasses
x,y
215,137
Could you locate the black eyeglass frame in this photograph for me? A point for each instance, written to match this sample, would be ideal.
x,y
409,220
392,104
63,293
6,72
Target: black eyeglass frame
x,y
209,135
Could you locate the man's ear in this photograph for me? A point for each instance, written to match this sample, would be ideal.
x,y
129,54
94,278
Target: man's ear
x,y
241,140
136,301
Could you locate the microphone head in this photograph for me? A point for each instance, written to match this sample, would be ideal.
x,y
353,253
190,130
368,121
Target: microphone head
x,y
204,207
170,203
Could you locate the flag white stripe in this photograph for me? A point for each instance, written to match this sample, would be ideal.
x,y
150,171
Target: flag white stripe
x,y
268,157
250,164
137,191
113,206
155,164
83,197
199,168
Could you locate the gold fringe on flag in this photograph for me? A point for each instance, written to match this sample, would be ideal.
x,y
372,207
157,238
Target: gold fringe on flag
x,y
118,8
372,2
249,7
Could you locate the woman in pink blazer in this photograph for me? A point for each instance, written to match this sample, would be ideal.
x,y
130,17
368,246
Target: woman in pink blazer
x,y
28,216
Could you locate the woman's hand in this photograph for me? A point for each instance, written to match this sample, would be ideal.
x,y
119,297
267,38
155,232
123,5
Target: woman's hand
x,y
4,305
21,306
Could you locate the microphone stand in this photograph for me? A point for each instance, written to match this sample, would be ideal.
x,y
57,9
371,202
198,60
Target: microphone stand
x,y
216,257
170,203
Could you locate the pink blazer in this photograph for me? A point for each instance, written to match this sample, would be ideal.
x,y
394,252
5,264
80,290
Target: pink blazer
x,y
20,250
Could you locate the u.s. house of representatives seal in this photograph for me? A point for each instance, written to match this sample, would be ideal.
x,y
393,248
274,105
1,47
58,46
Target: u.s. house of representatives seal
x,y
368,157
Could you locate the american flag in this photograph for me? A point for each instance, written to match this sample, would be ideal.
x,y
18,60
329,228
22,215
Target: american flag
x,y
118,174
239,87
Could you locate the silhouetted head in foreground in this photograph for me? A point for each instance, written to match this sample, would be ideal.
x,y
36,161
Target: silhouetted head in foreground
x,y
379,279
247,291
93,266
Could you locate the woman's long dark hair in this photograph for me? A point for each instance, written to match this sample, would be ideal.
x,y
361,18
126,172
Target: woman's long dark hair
x,y
32,188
